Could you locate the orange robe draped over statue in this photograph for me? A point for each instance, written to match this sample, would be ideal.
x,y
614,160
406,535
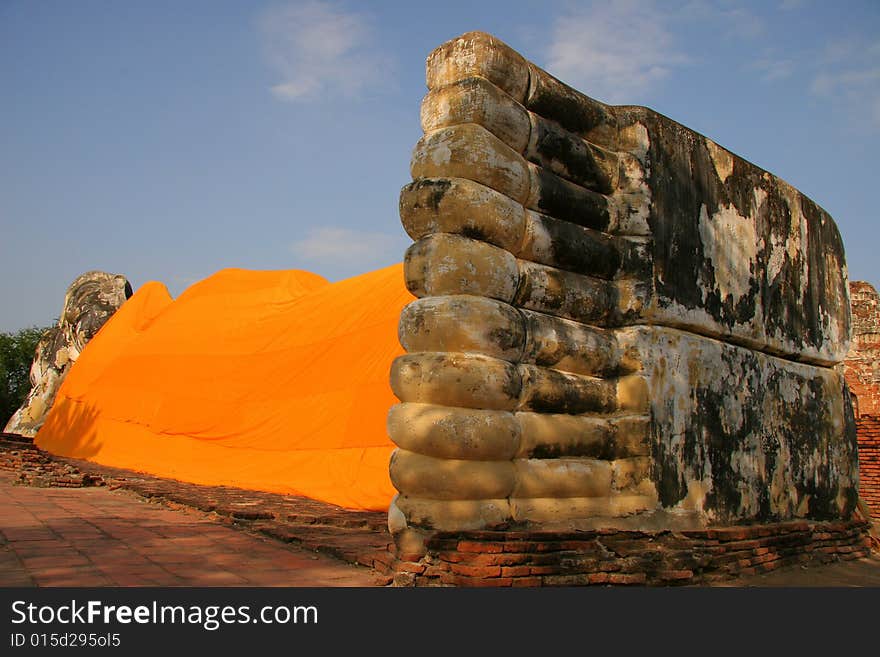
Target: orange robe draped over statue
x,y
267,380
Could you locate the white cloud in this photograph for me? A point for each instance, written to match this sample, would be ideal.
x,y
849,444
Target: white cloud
x,y
613,51
774,69
733,21
347,248
743,23
318,47
849,77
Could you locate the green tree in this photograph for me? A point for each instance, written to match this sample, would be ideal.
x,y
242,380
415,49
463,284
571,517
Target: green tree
x,y
16,355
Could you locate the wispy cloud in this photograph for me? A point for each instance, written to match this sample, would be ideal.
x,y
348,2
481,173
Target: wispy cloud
x,y
743,23
613,51
849,77
319,47
772,69
347,248
732,21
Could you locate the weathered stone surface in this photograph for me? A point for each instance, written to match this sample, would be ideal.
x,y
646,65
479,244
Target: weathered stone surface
x,y
633,394
561,152
549,391
464,323
564,294
629,472
476,100
481,54
454,379
740,435
454,514
655,305
444,264
550,435
89,302
454,433
417,475
630,435
738,253
558,510
569,346
564,245
563,199
571,109
462,207
470,151
562,477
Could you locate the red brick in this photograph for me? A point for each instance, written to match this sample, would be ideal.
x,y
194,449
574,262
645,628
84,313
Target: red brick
x,y
474,546
609,566
526,581
581,579
476,571
520,546
675,574
515,571
751,544
730,533
434,571
627,578
470,558
408,567
543,570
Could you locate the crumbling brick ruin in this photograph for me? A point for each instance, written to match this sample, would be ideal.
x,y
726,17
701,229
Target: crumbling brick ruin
x,y
626,338
863,377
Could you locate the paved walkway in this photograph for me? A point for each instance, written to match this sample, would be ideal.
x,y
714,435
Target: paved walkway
x,y
100,537
859,572
74,523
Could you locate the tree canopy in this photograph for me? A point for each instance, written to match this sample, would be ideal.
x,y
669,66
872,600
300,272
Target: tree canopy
x,y
16,355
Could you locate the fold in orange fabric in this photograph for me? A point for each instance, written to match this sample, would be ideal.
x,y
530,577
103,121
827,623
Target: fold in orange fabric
x,y
267,380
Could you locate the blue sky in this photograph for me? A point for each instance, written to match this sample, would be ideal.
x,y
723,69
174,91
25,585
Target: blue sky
x,y
165,140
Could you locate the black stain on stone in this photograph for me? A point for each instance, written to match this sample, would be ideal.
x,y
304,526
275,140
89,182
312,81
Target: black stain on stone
x,y
571,109
744,460
425,193
794,299
569,156
582,250
506,339
474,233
564,200
558,394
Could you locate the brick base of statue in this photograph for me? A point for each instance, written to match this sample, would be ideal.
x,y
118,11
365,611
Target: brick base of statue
x,y
614,557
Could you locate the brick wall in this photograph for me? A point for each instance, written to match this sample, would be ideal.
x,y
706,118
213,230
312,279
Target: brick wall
x,y
862,363
868,429
862,370
612,557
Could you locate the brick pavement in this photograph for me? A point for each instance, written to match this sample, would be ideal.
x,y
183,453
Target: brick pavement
x,y
101,537
75,523
357,537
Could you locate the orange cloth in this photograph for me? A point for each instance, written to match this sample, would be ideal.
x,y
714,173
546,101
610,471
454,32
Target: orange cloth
x,y
267,380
